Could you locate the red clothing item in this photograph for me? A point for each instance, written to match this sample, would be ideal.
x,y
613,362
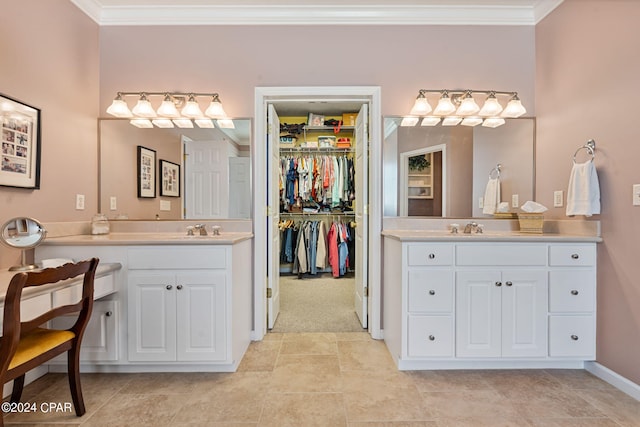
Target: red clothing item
x,y
332,244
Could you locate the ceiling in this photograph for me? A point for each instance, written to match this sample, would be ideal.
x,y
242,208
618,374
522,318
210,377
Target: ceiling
x,y
315,12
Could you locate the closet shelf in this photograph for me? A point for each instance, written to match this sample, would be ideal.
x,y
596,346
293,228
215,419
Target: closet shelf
x,y
318,213
316,150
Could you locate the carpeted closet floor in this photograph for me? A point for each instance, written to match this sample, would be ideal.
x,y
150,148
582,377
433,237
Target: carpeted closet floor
x,y
317,304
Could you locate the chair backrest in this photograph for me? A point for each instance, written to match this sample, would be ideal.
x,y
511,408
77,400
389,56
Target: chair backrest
x,y
13,328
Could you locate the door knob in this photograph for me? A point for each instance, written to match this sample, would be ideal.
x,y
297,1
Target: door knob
x,y
509,283
498,283
432,292
179,287
169,287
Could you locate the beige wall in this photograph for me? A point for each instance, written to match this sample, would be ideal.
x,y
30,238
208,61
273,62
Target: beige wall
x,y
587,74
49,59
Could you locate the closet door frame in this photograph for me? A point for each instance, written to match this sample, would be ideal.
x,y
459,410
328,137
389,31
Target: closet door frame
x,y
265,95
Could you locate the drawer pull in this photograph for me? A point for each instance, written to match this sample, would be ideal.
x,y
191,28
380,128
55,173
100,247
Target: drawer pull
x,y
169,287
432,292
498,283
179,287
575,256
109,313
574,337
432,338
509,283
574,292
432,256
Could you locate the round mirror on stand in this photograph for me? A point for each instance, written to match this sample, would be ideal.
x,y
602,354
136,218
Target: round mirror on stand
x,y
22,233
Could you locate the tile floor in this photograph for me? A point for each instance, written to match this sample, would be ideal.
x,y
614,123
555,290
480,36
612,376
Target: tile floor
x,y
335,379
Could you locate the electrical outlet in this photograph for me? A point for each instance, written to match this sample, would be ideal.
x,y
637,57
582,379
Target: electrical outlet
x,y
113,203
558,197
515,200
80,202
480,203
636,194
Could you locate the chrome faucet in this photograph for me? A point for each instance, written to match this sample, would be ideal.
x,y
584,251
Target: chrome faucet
x,y
202,228
471,226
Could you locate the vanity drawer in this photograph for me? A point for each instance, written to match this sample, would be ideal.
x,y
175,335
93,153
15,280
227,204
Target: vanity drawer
x,y
102,286
572,291
429,254
501,255
430,291
572,255
430,336
572,336
177,257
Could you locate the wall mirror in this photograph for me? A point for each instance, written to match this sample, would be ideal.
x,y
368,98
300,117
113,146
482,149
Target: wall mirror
x,y
442,171
22,233
213,165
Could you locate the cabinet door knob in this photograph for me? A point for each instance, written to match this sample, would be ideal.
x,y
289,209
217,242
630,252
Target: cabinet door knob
x,y
575,256
432,292
509,283
179,287
109,313
169,287
574,337
432,256
498,283
432,338
574,292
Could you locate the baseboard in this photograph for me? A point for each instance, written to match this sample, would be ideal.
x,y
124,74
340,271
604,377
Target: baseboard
x,y
613,378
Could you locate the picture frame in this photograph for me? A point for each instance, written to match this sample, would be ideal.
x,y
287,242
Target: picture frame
x,y
315,120
21,144
146,172
169,179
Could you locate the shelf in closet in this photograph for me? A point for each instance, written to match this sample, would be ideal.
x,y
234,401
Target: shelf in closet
x,y
318,213
316,150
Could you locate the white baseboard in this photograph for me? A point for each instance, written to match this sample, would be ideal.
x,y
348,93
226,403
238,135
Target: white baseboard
x,y
613,378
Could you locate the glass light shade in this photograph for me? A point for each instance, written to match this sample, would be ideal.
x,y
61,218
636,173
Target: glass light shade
x,y
471,121
204,123
143,109
451,120
493,122
226,124
141,123
162,123
215,110
467,107
513,109
430,121
421,107
183,123
444,107
192,109
119,108
409,121
491,107
168,109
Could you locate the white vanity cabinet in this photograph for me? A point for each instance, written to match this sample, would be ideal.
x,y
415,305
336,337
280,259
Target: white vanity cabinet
x,y
465,303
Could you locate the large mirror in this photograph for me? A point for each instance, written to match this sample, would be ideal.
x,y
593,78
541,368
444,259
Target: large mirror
x,y
214,170
443,171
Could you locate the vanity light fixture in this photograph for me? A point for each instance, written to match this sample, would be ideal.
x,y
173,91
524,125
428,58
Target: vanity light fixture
x,y
462,107
205,123
177,108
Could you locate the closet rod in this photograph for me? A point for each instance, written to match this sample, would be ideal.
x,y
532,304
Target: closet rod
x,y
318,213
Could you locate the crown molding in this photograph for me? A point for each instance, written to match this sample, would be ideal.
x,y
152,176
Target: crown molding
x,y
505,13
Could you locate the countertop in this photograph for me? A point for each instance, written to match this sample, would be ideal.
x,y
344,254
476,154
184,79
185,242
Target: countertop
x,y
6,276
487,236
147,239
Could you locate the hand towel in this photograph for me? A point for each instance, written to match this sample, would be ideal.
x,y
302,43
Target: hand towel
x,y
491,196
583,194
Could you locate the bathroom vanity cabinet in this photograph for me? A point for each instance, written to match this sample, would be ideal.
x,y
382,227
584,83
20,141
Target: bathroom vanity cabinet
x,y
512,302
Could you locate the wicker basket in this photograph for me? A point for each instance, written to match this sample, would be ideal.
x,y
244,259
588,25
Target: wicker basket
x,y
531,222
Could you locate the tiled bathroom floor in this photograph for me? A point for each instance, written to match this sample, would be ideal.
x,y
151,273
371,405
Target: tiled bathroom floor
x,y
335,379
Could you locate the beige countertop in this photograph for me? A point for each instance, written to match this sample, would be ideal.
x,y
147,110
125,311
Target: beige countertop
x,y
134,238
487,236
104,269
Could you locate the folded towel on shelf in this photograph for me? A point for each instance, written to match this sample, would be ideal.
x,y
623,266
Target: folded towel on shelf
x,y
583,194
491,196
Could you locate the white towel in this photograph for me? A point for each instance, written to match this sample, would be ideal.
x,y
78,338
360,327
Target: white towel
x,y
583,194
491,196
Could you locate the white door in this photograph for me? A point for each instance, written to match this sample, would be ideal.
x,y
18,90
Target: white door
x,y
361,211
273,232
206,180
239,187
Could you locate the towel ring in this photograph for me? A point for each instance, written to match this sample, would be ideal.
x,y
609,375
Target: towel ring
x,y
590,146
495,172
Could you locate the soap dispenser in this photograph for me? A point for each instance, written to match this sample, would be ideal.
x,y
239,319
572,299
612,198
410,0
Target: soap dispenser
x,y
99,224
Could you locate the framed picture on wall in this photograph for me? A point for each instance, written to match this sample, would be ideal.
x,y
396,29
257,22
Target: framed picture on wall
x,y
146,172
20,127
169,179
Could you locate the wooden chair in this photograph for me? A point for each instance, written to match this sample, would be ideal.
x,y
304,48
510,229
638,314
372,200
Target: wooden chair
x,y
26,345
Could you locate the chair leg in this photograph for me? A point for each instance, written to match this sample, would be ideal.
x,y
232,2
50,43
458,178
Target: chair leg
x,y
18,385
73,367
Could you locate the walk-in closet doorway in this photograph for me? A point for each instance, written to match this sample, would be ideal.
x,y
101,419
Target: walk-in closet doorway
x,y
318,191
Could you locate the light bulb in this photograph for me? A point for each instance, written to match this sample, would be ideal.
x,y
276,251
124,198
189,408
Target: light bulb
x,y
421,107
168,108
491,107
445,106
215,110
513,109
143,108
119,108
192,109
467,107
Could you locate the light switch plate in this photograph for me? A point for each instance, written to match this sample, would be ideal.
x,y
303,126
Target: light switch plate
x,y
480,203
165,205
515,200
636,194
113,203
558,199
80,202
